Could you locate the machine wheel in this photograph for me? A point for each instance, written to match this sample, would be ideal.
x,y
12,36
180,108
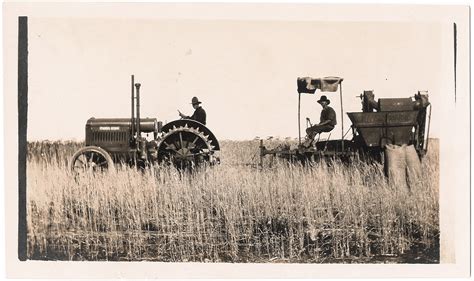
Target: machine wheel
x,y
91,158
185,147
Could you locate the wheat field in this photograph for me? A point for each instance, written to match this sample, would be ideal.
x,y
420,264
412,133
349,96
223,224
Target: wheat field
x,y
232,212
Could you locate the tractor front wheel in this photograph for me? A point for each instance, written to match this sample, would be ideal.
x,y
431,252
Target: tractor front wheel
x,y
91,158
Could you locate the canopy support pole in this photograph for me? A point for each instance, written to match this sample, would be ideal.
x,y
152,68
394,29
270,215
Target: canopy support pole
x,y
342,116
299,119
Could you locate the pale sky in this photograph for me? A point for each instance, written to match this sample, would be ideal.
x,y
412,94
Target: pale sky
x,y
243,71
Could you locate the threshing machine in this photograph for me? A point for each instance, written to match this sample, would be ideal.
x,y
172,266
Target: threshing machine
x,y
183,143
398,121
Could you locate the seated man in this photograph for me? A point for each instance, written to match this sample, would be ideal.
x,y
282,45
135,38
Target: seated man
x,y
199,113
326,124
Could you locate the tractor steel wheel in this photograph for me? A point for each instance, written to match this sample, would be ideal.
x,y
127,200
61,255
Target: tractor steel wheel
x,y
91,159
185,147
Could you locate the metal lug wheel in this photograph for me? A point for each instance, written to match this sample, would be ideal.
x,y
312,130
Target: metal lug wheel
x,y
185,147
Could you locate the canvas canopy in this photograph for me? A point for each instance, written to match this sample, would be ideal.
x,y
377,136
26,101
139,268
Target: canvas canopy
x,y
309,85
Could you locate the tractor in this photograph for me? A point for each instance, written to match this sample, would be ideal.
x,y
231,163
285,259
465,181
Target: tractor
x,y
143,142
388,121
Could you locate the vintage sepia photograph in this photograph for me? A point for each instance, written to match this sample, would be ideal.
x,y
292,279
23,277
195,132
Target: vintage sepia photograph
x,y
176,134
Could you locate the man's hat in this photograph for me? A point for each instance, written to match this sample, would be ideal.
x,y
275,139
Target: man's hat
x,y
195,100
324,98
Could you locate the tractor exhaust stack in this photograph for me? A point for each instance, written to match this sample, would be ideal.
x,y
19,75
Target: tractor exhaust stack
x,y
132,120
137,86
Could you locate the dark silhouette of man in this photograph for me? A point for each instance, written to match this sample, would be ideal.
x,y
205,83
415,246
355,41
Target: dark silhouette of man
x,y
199,113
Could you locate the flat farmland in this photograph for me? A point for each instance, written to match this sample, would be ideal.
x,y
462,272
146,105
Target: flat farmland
x,y
232,212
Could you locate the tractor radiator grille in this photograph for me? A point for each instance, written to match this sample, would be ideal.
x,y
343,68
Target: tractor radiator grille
x,y
109,137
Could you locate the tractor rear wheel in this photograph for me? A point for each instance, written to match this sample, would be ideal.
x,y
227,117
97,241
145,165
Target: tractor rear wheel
x,y
185,147
91,158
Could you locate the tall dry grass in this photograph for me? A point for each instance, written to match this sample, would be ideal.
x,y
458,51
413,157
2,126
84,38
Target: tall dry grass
x,y
232,212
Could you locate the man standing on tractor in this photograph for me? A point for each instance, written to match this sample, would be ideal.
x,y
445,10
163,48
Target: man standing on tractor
x,y
326,124
199,113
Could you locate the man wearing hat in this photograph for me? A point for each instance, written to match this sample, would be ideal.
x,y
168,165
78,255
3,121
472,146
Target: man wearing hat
x,y
199,113
326,123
